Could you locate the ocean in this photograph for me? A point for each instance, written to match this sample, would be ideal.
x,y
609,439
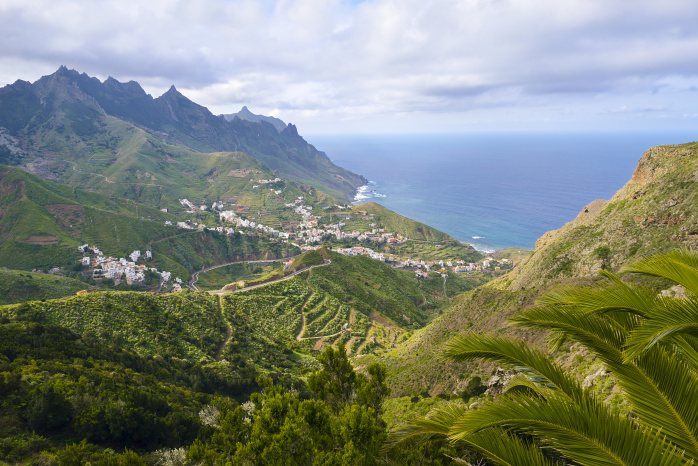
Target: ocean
x,y
492,190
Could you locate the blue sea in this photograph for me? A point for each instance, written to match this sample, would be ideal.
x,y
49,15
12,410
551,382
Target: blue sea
x,y
492,190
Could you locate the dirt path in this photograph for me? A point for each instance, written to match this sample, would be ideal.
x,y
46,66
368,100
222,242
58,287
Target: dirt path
x,y
444,287
350,344
312,293
334,343
364,343
229,333
318,345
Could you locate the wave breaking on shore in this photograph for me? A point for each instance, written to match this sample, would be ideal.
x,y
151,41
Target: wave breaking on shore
x,y
367,192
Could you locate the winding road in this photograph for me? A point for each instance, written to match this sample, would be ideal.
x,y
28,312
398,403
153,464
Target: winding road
x,y
195,277
219,292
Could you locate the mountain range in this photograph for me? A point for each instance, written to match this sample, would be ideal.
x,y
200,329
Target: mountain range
x,y
114,137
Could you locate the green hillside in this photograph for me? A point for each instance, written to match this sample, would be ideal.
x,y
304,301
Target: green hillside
x,y
19,286
42,224
400,224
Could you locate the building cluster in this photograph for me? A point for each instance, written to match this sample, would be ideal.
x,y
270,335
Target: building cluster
x,y
361,251
192,208
275,180
231,217
307,233
121,268
420,267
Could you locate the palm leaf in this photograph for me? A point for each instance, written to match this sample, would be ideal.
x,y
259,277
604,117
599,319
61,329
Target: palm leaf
x,y
513,353
436,424
671,317
587,431
677,265
503,449
660,389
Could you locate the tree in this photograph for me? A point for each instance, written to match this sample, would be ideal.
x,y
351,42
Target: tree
x,y
647,341
336,382
373,389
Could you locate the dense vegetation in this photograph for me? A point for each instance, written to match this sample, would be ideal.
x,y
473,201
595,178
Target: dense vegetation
x,y
18,286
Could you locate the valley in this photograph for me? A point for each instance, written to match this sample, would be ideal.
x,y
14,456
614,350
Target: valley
x,y
179,283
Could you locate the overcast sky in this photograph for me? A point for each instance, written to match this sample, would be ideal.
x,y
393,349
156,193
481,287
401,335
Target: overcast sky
x,y
334,66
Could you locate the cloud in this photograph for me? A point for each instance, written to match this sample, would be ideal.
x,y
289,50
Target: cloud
x,y
334,59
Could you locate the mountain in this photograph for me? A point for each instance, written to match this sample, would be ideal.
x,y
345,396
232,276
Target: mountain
x,y
655,211
73,128
245,114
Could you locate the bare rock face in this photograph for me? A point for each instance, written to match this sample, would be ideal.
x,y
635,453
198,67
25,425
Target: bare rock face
x,y
592,379
498,382
677,291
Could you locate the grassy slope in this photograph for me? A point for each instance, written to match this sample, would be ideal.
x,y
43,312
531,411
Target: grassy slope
x,y
397,223
375,301
19,286
31,207
185,325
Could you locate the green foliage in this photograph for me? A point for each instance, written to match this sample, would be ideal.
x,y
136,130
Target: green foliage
x,y
309,258
69,388
602,252
19,286
369,285
336,382
278,427
48,410
646,342
185,325
473,388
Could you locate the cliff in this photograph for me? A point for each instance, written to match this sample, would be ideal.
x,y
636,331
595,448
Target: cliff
x,y
656,210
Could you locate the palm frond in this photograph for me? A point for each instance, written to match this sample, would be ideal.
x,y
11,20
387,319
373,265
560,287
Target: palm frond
x,y
597,332
436,424
524,384
677,265
588,431
671,317
503,449
613,295
658,386
513,353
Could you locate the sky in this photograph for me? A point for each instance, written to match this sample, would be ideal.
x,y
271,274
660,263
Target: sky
x,y
382,66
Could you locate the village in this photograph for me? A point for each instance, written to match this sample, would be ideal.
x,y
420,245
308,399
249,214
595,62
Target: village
x,y
118,269
308,234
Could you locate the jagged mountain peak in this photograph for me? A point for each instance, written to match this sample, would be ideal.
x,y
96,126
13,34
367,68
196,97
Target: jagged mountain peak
x,y
246,115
